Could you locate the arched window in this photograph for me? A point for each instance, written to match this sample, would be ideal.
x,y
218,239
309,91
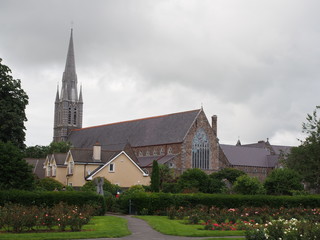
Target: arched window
x,y
161,151
69,116
170,150
200,150
75,116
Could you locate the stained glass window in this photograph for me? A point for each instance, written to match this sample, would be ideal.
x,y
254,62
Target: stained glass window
x,y
200,150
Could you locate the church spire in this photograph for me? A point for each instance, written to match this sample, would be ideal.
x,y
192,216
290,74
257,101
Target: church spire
x,y
69,80
69,105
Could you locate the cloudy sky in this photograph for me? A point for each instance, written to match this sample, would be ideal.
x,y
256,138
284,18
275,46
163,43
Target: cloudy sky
x,y
254,64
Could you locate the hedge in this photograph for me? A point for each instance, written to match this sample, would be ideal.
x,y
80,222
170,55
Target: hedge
x,y
159,202
51,198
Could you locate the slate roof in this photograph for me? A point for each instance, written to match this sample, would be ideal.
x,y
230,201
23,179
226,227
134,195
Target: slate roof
x,y
247,156
165,129
146,161
81,155
37,166
60,158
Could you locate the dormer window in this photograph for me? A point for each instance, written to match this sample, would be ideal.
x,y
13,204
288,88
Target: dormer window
x,y
155,152
48,171
140,154
147,153
170,150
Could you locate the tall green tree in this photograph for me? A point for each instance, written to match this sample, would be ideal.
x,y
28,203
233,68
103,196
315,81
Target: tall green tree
x,y
165,175
36,151
13,102
15,173
231,174
305,159
155,177
59,147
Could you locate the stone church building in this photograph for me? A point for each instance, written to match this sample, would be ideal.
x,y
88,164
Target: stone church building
x,y
180,140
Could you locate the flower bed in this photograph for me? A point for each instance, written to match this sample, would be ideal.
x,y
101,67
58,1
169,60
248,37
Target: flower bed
x,y
19,218
259,223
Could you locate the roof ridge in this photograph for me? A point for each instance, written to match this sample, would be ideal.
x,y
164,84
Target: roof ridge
x,y
134,120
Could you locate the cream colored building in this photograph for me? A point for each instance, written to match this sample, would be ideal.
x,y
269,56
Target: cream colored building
x,y
81,165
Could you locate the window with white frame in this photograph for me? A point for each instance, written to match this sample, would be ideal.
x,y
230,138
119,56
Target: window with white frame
x,y
54,170
48,170
70,167
200,150
111,167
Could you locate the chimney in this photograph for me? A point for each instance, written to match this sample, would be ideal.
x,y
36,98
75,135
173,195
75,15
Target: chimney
x,y
97,152
214,124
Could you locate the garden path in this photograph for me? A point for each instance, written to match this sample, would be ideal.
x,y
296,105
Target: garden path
x,y
142,231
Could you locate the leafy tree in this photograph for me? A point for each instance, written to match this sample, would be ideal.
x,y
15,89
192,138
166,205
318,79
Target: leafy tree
x,y
59,147
305,159
215,185
48,184
15,172
248,185
194,179
13,101
36,151
165,175
231,174
155,177
282,181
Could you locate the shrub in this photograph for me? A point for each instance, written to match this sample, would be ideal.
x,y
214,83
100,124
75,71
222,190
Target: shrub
x,y
49,199
248,185
48,184
194,179
107,187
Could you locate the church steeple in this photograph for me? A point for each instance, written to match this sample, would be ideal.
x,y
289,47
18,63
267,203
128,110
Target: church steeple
x,y
69,80
69,105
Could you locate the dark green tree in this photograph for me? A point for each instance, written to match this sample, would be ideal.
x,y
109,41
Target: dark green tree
x,y
231,174
193,180
15,172
13,102
155,177
108,187
305,159
248,185
59,147
283,181
36,151
165,175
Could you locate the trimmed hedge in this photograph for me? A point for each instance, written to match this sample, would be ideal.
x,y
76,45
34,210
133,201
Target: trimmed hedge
x,y
49,199
159,202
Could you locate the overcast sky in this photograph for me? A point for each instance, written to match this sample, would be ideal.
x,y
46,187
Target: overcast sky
x,y
254,64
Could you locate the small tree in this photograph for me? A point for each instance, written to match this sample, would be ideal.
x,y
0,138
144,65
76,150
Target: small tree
x,y
59,147
248,185
155,177
231,174
282,181
165,175
194,179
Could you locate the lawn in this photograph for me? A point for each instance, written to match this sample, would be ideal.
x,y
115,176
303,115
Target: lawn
x,y
179,228
98,227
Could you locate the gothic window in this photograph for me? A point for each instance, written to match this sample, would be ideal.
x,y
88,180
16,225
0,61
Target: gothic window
x,y
200,150
69,116
75,116
170,150
140,154
148,153
155,152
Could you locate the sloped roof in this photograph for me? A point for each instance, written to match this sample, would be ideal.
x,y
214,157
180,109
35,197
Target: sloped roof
x,y
147,161
165,129
37,166
81,155
60,158
246,156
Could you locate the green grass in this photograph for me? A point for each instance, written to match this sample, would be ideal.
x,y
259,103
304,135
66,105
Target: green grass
x,y
178,228
98,227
